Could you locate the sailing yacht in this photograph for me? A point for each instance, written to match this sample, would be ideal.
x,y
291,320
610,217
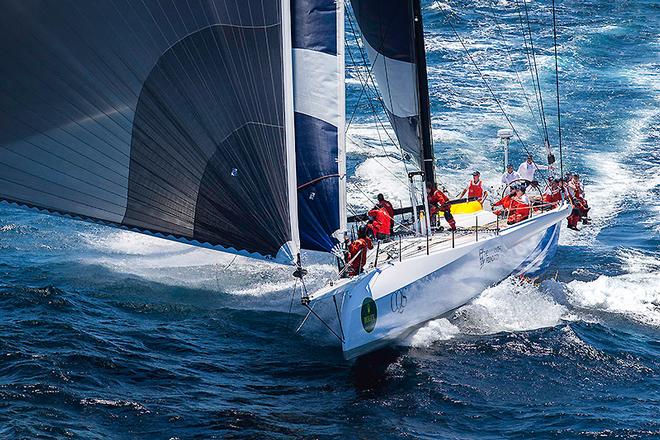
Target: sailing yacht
x,y
221,124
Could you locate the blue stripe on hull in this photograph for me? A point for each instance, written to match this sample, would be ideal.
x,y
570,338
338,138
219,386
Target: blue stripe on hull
x,y
540,257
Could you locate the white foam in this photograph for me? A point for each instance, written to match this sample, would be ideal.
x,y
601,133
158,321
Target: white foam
x,y
511,306
372,178
433,331
131,243
635,295
635,261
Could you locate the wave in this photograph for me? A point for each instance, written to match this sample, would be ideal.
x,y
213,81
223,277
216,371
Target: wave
x,y
635,295
515,306
510,306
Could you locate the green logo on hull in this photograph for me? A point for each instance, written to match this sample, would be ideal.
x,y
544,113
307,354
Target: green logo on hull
x,y
369,314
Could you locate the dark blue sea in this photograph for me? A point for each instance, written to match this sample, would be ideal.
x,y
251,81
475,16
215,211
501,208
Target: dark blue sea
x,y
106,334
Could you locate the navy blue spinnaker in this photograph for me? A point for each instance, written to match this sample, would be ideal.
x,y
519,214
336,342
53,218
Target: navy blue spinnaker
x,y
166,118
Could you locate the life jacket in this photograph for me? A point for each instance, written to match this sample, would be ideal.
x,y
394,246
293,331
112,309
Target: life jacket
x,y
361,244
553,197
475,189
518,211
382,221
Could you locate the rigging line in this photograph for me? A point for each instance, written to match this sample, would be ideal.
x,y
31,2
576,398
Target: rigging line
x,y
373,81
366,83
529,62
380,100
512,62
536,72
497,101
365,149
499,104
378,121
554,33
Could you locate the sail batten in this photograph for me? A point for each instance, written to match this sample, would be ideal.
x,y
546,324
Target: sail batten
x,y
172,121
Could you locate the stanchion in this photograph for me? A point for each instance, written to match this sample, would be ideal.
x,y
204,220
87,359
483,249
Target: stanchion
x,y
476,228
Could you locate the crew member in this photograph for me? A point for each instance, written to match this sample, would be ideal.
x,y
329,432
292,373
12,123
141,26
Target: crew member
x,y
510,175
438,203
520,207
475,188
552,194
578,194
505,203
357,252
389,209
527,169
381,223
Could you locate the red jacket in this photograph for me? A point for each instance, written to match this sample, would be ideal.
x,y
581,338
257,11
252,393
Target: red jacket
x,y
382,221
436,201
437,197
504,202
363,245
518,211
553,197
475,189
387,206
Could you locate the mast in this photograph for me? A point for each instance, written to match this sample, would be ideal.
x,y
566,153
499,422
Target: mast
x,y
423,90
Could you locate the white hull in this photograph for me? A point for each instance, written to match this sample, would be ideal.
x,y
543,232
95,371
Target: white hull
x,y
410,292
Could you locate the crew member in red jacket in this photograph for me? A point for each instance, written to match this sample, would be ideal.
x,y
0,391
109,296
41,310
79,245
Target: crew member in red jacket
x,y
357,252
381,222
578,208
579,201
438,203
552,195
505,203
389,209
520,207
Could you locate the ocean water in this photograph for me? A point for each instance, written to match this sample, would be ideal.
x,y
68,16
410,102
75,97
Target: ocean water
x,y
110,334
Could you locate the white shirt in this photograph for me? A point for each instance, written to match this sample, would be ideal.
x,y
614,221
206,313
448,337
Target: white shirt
x,y
568,190
527,170
507,178
524,199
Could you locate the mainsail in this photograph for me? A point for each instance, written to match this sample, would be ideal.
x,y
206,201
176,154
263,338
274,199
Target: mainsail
x,y
165,117
393,38
318,63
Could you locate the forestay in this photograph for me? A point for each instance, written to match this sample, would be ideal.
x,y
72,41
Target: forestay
x,y
388,31
166,117
318,61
